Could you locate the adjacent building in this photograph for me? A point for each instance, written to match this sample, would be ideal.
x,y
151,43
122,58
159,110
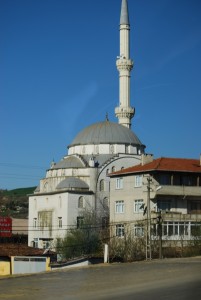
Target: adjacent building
x,y
162,192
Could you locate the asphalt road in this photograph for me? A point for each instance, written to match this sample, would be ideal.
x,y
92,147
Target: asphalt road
x,y
173,279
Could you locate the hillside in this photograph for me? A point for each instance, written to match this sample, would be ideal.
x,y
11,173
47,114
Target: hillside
x,y
14,203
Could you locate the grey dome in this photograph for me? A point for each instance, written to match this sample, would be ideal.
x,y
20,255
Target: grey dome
x,y
69,162
72,183
106,133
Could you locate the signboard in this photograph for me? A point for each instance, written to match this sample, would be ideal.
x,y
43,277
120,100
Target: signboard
x,y
5,227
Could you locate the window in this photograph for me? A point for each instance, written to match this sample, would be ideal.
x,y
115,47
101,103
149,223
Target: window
x,y
112,149
105,203
138,180
102,185
138,206
126,149
119,183
35,222
164,205
138,230
105,222
81,202
165,179
113,169
35,242
120,230
60,222
80,221
119,207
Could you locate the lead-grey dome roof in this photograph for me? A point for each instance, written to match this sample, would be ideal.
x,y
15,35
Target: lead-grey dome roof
x,y
106,133
72,183
69,162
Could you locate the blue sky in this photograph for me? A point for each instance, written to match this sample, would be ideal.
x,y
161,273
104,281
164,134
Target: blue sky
x,y
58,75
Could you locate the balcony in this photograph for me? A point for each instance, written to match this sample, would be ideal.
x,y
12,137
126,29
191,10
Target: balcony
x,y
177,190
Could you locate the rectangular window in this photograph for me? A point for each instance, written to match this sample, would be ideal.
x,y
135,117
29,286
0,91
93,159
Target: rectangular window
x,y
80,221
60,222
138,206
120,230
138,230
35,242
165,179
138,180
164,205
105,222
119,183
35,222
119,207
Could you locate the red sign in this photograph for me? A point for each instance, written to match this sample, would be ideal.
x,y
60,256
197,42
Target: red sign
x,y
5,227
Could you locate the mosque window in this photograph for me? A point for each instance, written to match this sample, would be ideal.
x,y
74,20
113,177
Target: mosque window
x,y
113,169
97,149
60,222
81,202
80,222
107,171
35,222
102,185
105,203
127,149
111,148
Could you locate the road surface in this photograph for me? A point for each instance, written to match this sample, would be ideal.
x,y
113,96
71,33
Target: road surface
x,y
172,279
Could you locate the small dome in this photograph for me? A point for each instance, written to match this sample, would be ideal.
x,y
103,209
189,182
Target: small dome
x,y
72,183
106,133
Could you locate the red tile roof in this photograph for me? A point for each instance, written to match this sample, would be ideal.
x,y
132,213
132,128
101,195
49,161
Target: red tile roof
x,y
164,164
10,249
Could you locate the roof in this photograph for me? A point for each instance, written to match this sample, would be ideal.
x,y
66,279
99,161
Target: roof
x,y
164,164
11,249
72,183
124,19
106,133
69,162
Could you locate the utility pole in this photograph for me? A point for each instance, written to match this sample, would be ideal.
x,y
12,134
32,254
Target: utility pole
x,y
148,240
159,222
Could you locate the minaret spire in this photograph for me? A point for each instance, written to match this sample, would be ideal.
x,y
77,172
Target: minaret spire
x,y
124,112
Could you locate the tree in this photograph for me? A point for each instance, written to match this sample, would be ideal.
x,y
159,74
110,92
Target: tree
x,y
84,239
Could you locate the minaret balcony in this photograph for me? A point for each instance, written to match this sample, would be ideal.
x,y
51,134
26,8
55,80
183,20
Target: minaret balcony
x,y
124,64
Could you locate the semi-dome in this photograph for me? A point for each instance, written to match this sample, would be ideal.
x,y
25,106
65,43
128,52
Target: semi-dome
x,y
72,183
106,133
69,162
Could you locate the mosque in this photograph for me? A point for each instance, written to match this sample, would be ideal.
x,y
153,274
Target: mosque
x,y
79,180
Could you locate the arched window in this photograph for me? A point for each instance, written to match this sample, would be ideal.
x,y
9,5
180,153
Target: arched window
x,y
102,185
112,149
81,202
105,203
113,169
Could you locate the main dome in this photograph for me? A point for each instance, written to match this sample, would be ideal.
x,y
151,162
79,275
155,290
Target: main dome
x,y
106,133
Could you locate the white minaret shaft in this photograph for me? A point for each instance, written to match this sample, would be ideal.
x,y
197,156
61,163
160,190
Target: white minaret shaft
x,y
124,112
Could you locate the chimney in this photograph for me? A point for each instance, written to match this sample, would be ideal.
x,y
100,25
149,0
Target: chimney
x,y
146,158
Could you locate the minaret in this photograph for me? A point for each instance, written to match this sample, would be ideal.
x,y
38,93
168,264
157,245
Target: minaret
x,y
124,112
